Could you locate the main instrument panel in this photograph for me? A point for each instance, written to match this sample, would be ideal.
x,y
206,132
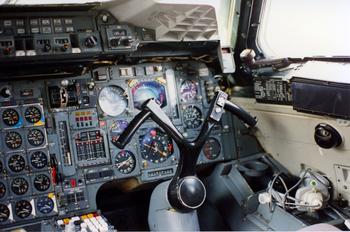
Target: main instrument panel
x,y
58,135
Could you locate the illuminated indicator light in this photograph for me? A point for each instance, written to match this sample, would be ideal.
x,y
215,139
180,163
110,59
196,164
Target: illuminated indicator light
x,y
82,113
26,102
208,156
170,146
77,119
153,133
87,143
77,113
85,118
92,163
151,68
206,149
82,143
145,164
90,215
84,217
36,101
191,106
66,221
90,117
102,123
73,183
88,112
96,215
31,101
8,103
183,108
81,119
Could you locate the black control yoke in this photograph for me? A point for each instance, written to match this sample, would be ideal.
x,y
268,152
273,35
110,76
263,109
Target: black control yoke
x,y
185,192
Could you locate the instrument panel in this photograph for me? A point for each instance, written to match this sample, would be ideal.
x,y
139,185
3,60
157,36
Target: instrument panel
x,y
57,135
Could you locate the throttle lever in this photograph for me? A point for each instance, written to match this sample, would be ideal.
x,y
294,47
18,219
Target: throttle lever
x,y
240,113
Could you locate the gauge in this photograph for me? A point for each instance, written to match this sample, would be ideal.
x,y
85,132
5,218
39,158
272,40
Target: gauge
x,y
23,209
13,140
125,162
146,90
42,182
1,167
19,186
212,149
156,146
113,100
32,114
38,159
2,190
4,213
10,117
35,137
116,129
192,117
45,205
16,163
188,90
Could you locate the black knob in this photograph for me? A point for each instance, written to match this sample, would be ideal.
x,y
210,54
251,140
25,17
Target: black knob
x,y
91,42
47,48
64,48
115,42
128,42
7,51
5,92
327,137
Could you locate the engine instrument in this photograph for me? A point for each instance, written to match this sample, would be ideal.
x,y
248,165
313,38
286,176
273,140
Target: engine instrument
x,y
116,129
35,137
156,146
45,205
10,117
23,209
113,100
212,149
38,159
32,114
13,140
19,186
145,90
4,213
41,182
125,162
16,163
2,190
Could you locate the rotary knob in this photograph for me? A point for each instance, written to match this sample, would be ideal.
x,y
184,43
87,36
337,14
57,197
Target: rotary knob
x,y
6,92
91,42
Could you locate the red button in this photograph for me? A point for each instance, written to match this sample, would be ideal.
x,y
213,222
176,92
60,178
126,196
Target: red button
x,y
90,117
85,118
77,119
73,183
81,119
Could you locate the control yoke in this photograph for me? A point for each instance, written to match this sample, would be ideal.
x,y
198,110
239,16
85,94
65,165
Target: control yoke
x,y
185,192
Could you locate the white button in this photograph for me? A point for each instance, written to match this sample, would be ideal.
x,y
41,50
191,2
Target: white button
x,y
21,53
34,30
31,53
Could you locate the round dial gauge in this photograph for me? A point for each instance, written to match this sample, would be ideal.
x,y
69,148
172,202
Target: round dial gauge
x,y
146,90
45,205
188,90
113,100
42,182
35,137
2,190
23,209
19,186
10,117
4,213
125,162
32,114
38,159
211,149
156,146
16,163
1,167
13,140
192,117
116,129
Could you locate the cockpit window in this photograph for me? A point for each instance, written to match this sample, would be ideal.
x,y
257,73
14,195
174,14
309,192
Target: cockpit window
x,y
302,28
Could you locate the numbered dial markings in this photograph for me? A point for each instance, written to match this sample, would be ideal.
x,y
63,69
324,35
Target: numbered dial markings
x,y
38,159
156,146
113,100
45,205
2,190
32,114
125,162
23,209
36,137
13,140
42,182
188,90
212,149
192,117
16,163
19,186
10,117
145,90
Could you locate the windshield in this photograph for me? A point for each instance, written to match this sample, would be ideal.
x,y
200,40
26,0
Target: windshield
x,y
302,28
